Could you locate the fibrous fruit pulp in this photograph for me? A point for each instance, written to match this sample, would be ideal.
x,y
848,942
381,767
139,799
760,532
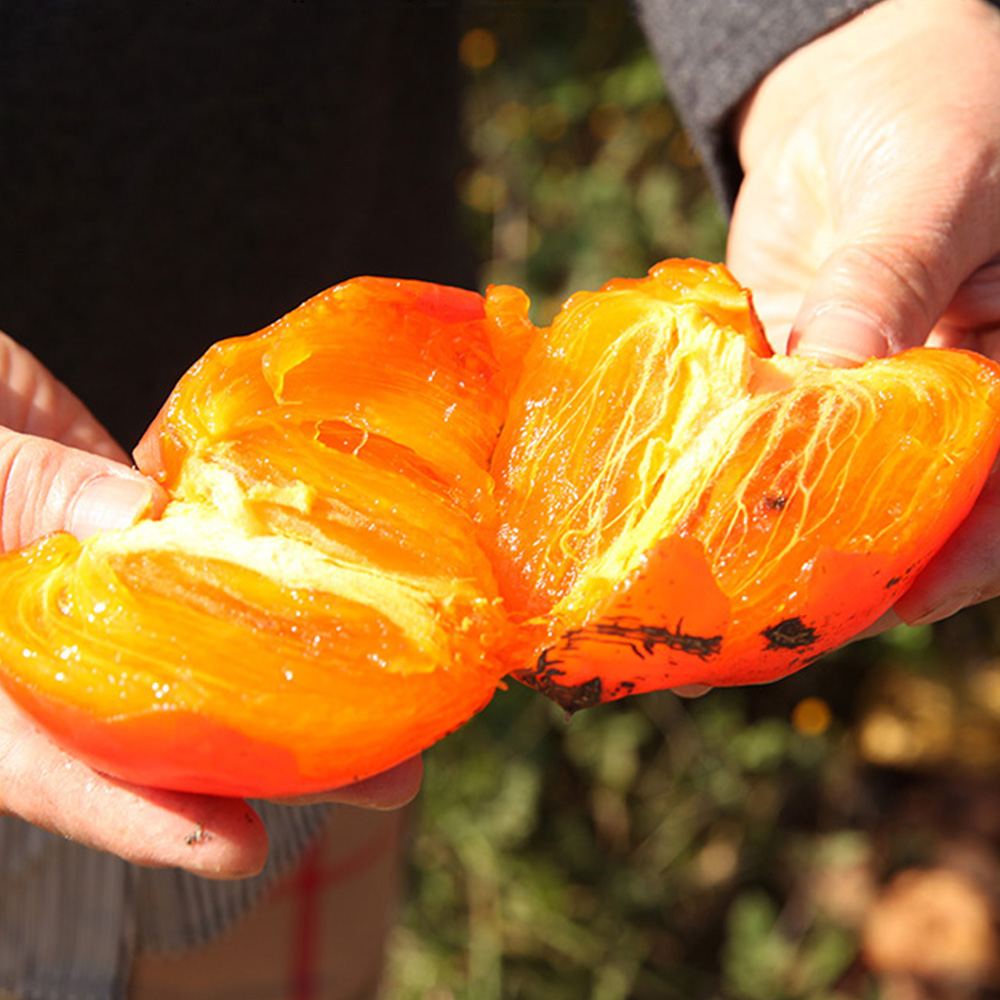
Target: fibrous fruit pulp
x,y
401,492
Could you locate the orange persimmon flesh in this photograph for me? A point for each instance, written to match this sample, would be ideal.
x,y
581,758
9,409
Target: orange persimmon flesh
x,y
399,493
312,607
678,505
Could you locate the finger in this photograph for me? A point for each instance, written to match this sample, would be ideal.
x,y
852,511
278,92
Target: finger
x,y
876,298
212,837
885,623
391,789
965,571
33,401
691,690
908,244
46,487
976,305
973,318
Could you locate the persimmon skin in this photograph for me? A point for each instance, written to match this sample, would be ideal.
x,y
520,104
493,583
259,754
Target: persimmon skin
x,y
759,512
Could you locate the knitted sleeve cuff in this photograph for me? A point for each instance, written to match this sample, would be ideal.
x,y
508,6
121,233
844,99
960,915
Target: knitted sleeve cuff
x,y
714,54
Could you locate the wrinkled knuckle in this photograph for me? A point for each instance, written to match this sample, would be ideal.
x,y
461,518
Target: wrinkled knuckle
x,y
25,485
898,277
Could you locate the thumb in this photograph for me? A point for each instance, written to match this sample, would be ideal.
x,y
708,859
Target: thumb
x,y
875,297
47,487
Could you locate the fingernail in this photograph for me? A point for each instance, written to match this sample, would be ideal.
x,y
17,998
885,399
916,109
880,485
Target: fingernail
x,y
840,338
109,502
691,690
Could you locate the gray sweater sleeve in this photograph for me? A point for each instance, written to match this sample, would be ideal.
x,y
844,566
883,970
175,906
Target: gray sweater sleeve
x,y
714,52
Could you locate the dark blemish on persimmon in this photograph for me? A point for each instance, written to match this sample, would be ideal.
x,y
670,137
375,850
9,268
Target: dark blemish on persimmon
x,y
641,640
571,697
792,633
900,577
644,640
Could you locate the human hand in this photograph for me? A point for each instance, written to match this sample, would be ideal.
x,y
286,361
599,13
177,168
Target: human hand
x,y
869,218
60,470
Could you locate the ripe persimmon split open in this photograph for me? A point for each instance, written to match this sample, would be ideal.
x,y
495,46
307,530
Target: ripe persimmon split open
x,y
400,493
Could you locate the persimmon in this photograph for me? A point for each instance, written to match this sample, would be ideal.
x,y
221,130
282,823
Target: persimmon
x,y
399,493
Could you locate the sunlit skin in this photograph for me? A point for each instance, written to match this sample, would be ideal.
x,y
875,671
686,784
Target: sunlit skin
x,y
399,493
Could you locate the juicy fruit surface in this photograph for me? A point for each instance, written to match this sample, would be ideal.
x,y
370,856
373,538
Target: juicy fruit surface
x,y
400,492
312,607
679,506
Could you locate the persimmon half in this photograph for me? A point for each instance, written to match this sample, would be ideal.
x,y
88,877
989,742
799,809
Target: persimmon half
x,y
312,607
390,499
679,505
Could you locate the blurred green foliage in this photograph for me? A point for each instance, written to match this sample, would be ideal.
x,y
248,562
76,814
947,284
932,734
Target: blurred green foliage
x,y
578,169
632,851
725,848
